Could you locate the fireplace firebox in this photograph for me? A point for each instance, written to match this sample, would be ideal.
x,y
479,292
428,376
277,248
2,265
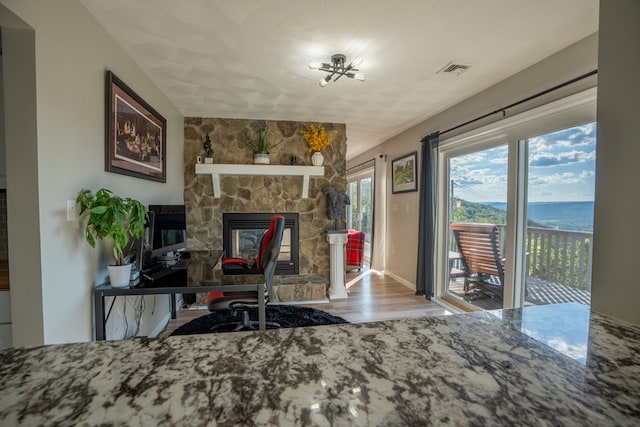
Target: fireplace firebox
x,y
242,233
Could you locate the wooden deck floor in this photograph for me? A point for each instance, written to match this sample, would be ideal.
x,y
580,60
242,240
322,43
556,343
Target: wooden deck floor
x,y
372,297
539,292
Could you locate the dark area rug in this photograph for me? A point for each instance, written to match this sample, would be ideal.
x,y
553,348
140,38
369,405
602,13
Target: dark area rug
x,y
288,316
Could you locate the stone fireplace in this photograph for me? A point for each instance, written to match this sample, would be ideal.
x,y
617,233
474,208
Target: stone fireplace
x,y
264,194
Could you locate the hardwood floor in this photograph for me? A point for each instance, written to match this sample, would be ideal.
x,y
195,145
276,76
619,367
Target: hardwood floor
x,y
372,297
375,297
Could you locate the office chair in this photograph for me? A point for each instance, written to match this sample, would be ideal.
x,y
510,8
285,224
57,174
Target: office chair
x,y
265,263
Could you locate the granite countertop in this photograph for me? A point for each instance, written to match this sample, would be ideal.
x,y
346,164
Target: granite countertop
x,y
548,365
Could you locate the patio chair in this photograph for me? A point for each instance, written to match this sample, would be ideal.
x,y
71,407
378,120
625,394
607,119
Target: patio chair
x,y
482,264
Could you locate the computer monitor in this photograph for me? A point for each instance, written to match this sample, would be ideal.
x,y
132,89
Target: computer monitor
x,y
167,229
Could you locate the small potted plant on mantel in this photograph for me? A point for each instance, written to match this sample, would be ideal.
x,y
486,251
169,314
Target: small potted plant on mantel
x,y
260,146
110,217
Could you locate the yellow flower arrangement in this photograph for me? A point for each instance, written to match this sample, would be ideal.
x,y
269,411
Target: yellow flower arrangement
x,y
317,138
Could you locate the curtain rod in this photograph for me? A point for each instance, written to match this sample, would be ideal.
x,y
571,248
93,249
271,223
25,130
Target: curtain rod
x,y
522,101
361,164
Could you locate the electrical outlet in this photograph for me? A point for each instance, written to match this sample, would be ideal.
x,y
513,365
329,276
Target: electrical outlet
x,y
71,210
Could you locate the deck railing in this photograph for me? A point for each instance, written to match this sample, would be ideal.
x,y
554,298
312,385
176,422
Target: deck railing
x,y
560,256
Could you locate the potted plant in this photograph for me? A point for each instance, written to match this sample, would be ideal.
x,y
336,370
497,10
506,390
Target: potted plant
x,y
260,146
110,217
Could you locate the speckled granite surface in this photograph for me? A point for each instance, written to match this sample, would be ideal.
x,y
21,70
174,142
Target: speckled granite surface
x,y
501,368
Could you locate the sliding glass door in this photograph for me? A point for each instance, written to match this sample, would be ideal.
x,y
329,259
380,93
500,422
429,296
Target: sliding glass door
x,y
559,215
477,206
515,209
360,211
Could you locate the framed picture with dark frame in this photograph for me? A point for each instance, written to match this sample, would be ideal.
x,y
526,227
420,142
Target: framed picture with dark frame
x,y
136,137
405,171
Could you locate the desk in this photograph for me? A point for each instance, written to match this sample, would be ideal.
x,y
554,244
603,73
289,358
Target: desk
x,y
103,291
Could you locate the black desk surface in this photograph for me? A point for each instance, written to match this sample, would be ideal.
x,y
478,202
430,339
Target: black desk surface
x,y
198,276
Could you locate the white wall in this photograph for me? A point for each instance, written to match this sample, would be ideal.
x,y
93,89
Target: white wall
x,y
63,154
401,237
615,290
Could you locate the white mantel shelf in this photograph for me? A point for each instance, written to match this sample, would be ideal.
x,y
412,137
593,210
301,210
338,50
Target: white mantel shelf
x,y
217,170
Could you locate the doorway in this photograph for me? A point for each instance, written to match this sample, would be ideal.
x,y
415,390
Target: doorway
x,y
360,211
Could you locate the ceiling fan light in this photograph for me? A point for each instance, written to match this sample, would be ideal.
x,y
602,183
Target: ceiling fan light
x,y
314,65
360,76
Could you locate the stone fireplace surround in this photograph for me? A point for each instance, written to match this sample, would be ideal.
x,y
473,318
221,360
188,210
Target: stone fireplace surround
x,y
264,194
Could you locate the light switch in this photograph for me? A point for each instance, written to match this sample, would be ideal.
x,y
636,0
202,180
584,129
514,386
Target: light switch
x,y
71,210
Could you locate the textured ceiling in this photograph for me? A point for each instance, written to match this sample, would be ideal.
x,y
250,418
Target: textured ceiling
x,y
248,58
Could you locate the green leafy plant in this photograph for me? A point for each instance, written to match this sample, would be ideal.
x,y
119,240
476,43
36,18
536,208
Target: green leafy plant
x,y
261,144
112,218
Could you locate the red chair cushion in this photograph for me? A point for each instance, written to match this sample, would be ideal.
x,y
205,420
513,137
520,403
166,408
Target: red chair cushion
x,y
214,295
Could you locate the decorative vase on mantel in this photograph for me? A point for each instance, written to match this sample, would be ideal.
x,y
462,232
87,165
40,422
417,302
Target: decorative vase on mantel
x,y
317,158
261,158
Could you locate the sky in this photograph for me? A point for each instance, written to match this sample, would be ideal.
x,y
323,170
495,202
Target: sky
x,y
561,168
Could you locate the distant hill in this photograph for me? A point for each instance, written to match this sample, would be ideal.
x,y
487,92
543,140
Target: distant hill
x,y
479,212
576,216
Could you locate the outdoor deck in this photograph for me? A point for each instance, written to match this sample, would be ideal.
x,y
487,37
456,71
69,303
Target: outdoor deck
x,y
539,292
558,266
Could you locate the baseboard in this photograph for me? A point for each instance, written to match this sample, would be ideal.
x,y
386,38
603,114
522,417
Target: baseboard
x,y
406,283
162,325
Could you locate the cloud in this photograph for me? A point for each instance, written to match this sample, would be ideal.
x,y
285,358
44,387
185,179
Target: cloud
x,y
556,178
464,181
499,160
579,136
548,159
468,159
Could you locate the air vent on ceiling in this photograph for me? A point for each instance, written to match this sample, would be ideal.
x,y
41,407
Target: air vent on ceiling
x,y
454,68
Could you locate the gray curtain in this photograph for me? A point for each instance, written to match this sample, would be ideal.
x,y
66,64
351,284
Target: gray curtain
x,y
426,225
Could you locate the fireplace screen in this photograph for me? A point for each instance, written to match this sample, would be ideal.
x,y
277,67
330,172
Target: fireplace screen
x,y
245,244
242,234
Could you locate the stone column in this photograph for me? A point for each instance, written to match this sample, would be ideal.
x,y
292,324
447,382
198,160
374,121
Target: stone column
x,y
337,239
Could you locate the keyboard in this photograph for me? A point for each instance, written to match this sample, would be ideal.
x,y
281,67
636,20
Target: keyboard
x,y
157,273
181,264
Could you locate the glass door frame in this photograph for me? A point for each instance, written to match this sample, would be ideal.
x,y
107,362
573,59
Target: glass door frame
x,y
357,178
513,131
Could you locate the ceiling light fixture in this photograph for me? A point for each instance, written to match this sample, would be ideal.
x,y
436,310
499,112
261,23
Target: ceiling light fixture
x,y
338,69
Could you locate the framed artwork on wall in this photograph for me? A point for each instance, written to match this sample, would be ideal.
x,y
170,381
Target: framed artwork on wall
x,y
136,137
404,170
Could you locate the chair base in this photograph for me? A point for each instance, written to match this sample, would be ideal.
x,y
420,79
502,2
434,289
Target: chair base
x,y
245,325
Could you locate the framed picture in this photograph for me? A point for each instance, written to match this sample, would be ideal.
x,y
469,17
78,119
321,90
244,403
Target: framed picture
x,y
405,171
136,137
